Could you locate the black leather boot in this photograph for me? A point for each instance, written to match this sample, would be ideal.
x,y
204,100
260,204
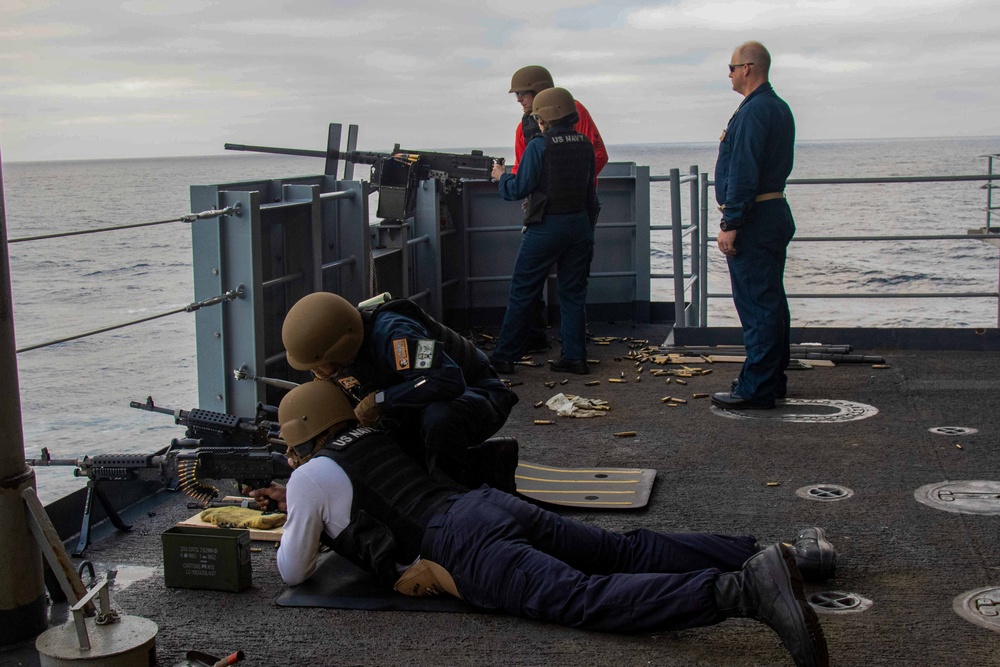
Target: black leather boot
x,y
492,462
769,589
814,554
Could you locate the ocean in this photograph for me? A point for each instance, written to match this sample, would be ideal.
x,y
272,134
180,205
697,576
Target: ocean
x,y
75,395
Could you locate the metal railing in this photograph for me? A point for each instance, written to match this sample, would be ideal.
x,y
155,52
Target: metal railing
x,y
695,313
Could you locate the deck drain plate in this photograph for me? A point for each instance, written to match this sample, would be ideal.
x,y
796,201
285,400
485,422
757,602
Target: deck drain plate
x,y
838,602
824,492
981,606
805,411
953,430
961,497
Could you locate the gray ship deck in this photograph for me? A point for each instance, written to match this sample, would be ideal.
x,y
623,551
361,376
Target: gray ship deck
x,y
910,560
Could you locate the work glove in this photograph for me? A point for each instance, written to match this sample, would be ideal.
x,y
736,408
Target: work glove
x,y
367,411
242,517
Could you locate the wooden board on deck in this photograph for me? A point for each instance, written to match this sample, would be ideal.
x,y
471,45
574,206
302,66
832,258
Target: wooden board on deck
x,y
604,488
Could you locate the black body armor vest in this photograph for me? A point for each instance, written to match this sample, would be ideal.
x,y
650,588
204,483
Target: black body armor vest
x,y
394,498
567,171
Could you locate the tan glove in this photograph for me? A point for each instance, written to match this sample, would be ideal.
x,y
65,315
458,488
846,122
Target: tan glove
x,y
242,517
368,411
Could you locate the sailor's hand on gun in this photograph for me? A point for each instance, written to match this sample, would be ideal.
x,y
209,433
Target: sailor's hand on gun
x,y
498,170
270,497
367,411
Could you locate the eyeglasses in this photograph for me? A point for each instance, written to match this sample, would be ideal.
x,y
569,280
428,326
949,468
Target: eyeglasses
x,y
523,93
733,66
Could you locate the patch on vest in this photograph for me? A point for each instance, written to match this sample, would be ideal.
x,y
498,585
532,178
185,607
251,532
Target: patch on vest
x,y
401,351
425,354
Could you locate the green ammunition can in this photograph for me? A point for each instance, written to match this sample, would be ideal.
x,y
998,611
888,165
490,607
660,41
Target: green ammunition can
x,y
215,559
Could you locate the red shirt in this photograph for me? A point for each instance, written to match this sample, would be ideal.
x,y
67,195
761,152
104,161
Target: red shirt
x,y
584,126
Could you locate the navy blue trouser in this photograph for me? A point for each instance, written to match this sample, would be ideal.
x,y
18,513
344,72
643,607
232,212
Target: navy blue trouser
x,y
566,241
756,273
446,430
510,555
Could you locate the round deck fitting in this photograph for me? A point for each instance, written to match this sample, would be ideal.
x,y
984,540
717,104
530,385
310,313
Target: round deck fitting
x,y
953,430
805,411
824,492
131,642
961,497
981,606
838,602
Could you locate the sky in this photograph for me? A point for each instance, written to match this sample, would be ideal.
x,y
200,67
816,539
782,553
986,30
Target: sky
x,y
82,79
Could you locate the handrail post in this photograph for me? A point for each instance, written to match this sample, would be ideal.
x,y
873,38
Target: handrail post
x,y
696,288
703,252
676,232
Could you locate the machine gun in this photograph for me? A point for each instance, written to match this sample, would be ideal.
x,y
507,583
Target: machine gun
x,y
248,451
396,174
218,429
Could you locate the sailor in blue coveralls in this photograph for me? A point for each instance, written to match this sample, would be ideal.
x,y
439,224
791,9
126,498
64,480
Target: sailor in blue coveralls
x,y
556,174
755,159
355,490
415,376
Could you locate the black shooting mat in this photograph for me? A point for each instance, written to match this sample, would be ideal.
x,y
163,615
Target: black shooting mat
x,y
339,584
600,488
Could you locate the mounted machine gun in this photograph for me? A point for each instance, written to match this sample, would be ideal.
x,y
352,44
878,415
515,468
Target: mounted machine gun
x,y
218,446
396,174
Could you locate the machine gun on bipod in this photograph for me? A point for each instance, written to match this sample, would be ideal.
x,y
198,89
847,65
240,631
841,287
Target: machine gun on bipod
x,y
218,446
396,174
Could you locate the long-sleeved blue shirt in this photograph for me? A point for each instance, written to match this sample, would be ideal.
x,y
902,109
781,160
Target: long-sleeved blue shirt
x,y
755,154
393,336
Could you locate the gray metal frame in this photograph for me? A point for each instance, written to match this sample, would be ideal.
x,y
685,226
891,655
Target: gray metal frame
x,y
288,238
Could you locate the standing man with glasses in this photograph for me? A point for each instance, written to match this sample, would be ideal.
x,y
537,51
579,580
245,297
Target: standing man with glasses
x,y
755,159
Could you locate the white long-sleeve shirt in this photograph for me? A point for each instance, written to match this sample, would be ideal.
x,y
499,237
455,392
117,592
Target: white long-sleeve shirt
x,y
319,496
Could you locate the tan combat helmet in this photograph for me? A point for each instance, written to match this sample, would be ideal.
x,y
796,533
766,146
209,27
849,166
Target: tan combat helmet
x,y
322,328
533,77
309,410
553,104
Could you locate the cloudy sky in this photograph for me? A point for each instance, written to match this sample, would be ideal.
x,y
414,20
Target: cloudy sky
x,y
136,78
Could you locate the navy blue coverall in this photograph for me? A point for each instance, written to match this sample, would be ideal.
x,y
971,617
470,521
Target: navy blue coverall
x,y
564,239
506,554
755,158
428,399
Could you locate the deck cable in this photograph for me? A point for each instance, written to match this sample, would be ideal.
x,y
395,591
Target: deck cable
x,y
230,295
189,217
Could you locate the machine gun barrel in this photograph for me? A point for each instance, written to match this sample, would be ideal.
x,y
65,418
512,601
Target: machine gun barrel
x,y
360,157
438,164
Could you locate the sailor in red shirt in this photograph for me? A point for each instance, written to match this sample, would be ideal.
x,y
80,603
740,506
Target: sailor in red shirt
x,y
525,84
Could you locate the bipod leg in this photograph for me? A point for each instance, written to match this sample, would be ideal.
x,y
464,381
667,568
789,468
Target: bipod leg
x,y
94,490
